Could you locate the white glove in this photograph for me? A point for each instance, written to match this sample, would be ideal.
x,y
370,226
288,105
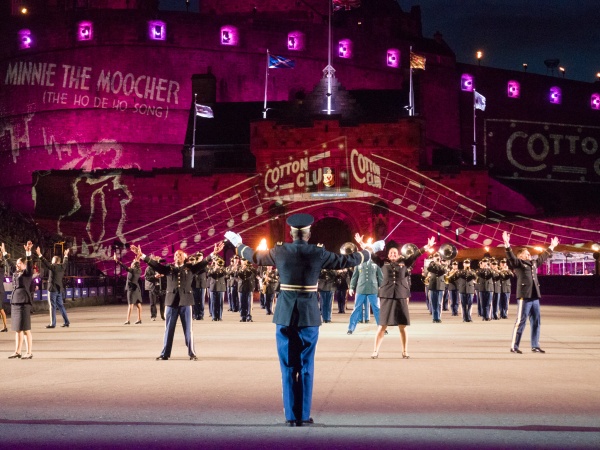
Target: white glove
x,y
350,292
378,246
234,238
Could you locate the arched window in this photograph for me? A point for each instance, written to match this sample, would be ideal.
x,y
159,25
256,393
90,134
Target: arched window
x,y
393,58
345,48
296,41
157,30
229,35
513,89
466,82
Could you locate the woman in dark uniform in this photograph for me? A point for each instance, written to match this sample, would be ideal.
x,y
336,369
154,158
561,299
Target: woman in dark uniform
x,y
134,293
21,302
394,295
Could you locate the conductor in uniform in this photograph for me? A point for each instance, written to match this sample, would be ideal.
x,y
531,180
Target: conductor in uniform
x,y
297,316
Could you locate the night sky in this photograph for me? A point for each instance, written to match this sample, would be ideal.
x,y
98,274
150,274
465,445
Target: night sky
x,y
509,32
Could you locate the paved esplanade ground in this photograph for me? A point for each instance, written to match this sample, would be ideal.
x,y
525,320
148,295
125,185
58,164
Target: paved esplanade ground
x,y
97,384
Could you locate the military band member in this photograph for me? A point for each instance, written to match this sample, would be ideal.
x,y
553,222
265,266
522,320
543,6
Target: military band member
x,y
505,286
486,288
326,288
465,286
179,300
437,286
271,283
246,277
218,285
366,280
233,298
152,284
21,301
496,277
56,289
451,288
341,289
132,288
198,288
297,315
528,292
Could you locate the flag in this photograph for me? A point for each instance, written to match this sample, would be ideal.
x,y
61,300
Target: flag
x,y
280,62
417,61
479,101
204,111
345,4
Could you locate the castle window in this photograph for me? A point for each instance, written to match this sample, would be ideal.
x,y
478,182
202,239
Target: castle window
x,y
393,58
555,95
595,101
25,40
345,48
157,30
513,89
466,82
229,35
295,41
85,31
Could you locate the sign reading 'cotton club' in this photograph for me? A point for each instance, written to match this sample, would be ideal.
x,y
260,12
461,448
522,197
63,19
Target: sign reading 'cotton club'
x,y
543,150
326,170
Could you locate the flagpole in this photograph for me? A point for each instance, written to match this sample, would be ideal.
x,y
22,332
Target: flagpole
x,y
474,129
411,94
194,133
266,83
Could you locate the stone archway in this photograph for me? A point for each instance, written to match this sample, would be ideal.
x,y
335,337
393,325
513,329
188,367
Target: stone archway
x,y
332,233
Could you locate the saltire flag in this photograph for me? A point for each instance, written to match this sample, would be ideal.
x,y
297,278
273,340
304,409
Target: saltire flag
x,y
417,61
479,101
346,4
280,62
204,111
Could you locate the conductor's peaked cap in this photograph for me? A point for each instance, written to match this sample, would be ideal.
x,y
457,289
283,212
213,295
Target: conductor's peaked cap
x,y
300,221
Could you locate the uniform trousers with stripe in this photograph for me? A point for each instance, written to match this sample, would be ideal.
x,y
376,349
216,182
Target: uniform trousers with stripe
x,y
527,308
172,314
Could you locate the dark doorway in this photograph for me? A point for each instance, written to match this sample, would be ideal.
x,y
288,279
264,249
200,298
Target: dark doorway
x,y
332,233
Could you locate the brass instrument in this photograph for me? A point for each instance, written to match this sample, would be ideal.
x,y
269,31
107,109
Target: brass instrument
x,y
348,248
448,251
408,250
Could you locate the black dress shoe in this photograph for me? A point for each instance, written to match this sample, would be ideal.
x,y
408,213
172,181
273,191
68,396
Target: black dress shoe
x,y
14,356
290,423
537,350
515,350
49,326
5,330
349,332
66,325
162,358
302,423
193,358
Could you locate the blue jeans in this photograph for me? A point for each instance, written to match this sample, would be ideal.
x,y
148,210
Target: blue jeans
x,y
171,315
56,302
296,347
527,308
326,303
357,314
436,303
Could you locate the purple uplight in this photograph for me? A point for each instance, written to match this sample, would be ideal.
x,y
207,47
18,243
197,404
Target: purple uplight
x,y
393,57
595,101
555,95
79,280
345,48
25,40
295,40
229,35
85,31
157,30
466,82
513,89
